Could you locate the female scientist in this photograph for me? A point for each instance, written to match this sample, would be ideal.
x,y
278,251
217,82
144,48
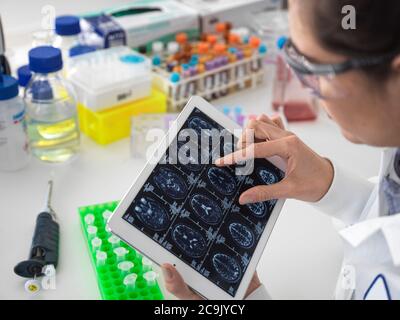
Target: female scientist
x,y
356,74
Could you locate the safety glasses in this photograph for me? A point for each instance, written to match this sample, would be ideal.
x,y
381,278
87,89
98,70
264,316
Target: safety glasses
x,y
312,74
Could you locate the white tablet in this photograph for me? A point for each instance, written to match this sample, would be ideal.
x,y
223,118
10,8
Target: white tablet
x,y
184,211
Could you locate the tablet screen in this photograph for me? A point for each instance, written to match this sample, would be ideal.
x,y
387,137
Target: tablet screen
x,y
191,208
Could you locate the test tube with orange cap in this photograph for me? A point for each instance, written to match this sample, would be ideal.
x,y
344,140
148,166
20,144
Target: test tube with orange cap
x,y
212,39
254,42
220,49
181,38
234,39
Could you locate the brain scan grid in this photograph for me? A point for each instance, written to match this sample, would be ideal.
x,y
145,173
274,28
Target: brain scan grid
x,y
192,210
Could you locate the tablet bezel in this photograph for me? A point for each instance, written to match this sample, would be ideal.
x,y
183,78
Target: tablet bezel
x,y
156,252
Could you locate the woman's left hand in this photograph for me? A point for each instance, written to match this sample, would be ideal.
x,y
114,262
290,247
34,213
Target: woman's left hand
x,y
175,284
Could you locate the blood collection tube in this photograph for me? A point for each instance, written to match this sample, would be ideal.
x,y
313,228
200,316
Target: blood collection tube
x,y
125,267
175,78
150,277
89,219
209,80
101,258
130,281
96,243
120,253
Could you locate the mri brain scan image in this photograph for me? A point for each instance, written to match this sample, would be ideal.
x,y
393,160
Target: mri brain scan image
x,y
226,267
152,214
170,183
188,158
267,176
258,209
222,181
206,209
199,124
190,207
190,241
242,235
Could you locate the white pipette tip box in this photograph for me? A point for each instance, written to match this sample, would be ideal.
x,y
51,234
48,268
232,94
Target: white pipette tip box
x,y
107,78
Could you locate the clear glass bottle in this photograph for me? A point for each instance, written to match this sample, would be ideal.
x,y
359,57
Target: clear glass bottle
x,y
52,121
67,30
14,151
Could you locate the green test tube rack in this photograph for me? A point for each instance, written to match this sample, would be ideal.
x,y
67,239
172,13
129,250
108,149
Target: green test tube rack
x,y
110,277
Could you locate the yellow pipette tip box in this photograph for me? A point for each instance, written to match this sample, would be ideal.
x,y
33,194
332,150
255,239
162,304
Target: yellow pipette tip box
x,y
110,125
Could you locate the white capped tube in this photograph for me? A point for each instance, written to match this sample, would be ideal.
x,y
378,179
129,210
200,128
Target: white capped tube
x,y
106,215
89,219
114,241
147,264
92,232
130,281
150,277
125,267
121,253
96,243
108,229
101,258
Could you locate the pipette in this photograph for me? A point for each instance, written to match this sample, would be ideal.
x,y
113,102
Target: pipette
x,y
44,248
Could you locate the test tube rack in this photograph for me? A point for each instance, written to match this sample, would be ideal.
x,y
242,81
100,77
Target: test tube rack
x,y
248,72
109,278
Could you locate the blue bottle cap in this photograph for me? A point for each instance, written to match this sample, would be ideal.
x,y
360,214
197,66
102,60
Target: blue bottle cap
x,y
80,49
280,43
226,111
233,50
262,49
8,87
238,110
45,59
175,77
156,60
24,75
67,25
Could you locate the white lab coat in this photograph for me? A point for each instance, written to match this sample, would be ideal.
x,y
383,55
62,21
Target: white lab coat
x,y
371,266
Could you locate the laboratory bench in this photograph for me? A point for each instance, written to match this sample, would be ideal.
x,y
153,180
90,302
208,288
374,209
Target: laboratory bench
x,y
301,261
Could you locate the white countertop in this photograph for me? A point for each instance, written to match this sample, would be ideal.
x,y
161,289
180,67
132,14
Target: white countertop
x,y
302,258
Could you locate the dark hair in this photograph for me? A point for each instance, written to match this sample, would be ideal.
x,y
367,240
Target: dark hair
x,y
377,29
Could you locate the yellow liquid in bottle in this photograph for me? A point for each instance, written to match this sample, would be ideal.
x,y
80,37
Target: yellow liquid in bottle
x,y
54,142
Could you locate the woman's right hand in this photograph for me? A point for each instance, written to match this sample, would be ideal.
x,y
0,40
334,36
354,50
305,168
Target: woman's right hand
x,y
308,176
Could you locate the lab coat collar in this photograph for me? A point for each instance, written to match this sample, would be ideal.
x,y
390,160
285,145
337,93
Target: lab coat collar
x,y
389,226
